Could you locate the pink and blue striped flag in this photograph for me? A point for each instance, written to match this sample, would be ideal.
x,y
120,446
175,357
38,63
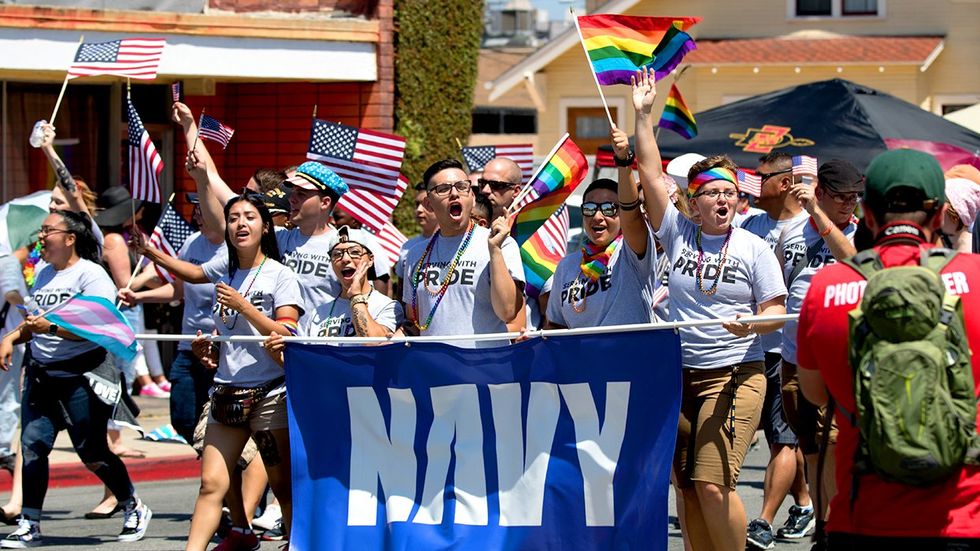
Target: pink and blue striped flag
x,y
98,320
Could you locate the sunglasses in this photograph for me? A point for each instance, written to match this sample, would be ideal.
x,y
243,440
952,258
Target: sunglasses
x,y
496,185
766,175
607,209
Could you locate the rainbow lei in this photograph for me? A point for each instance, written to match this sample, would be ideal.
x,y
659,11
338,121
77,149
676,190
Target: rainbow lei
x,y
33,258
423,267
595,261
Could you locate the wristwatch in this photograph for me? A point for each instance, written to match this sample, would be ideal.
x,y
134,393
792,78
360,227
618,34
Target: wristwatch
x,y
52,329
628,161
359,299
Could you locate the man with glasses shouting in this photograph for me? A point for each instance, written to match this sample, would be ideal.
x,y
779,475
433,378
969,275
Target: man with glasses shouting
x,y
465,279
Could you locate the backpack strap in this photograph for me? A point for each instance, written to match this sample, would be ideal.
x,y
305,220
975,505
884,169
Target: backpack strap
x,y
866,263
937,258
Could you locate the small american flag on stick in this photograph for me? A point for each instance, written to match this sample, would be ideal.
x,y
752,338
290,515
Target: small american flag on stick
x,y
804,165
749,183
371,208
136,58
212,129
477,157
364,159
169,236
145,164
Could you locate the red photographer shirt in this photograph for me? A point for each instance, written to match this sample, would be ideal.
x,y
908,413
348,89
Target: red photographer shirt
x,y
948,509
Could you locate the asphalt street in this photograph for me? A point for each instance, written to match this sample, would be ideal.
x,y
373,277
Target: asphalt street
x,y
64,527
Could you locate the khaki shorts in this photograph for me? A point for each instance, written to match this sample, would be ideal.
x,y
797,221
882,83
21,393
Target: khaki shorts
x,y
200,430
806,419
708,450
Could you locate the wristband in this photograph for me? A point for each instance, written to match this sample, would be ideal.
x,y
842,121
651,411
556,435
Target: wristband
x,y
633,205
359,299
625,163
830,228
52,329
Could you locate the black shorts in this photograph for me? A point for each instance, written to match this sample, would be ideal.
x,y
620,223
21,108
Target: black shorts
x,y
774,422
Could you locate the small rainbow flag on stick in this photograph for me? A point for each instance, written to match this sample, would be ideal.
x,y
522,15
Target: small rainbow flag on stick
x,y
619,45
542,252
554,181
677,116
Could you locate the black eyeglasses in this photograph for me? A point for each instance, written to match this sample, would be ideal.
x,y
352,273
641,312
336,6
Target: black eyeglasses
x,y
45,230
353,252
462,187
496,185
763,176
607,209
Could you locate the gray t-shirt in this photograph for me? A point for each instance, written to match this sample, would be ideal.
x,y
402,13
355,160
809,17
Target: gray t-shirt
x,y
799,286
53,288
11,279
247,364
749,277
400,268
623,295
466,308
785,238
309,258
198,297
333,319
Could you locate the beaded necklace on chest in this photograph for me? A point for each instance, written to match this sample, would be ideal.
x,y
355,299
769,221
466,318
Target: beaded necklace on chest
x,y
721,265
422,270
224,318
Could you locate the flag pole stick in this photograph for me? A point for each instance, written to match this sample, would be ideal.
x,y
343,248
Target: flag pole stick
x,y
132,201
591,68
527,187
198,135
314,111
64,86
139,261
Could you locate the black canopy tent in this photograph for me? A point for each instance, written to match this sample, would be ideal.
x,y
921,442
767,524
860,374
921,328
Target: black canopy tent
x,y
828,119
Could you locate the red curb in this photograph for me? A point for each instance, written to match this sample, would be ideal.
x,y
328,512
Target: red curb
x,y
68,475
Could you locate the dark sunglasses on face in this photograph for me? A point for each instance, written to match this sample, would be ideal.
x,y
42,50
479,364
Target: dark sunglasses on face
x,y
496,185
607,209
766,175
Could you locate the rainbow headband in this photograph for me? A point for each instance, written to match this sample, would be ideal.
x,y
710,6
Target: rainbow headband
x,y
710,175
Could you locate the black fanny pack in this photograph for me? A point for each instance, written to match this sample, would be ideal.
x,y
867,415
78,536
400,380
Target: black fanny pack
x,y
232,405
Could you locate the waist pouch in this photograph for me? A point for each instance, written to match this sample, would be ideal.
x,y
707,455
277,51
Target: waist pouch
x,y
232,405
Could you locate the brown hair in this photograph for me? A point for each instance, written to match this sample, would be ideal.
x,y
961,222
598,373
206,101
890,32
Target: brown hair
x,y
709,163
88,195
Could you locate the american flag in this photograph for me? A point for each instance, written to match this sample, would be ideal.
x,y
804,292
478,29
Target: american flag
x,y
749,183
804,165
175,91
169,236
477,157
130,57
212,129
391,241
371,208
145,164
364,159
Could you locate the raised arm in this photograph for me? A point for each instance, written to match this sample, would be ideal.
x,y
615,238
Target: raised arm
x,y
191,273
655,197
840,246
630,217
212,191
72,193
505,294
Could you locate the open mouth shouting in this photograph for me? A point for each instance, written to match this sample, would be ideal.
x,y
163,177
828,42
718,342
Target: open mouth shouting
x,y
456,210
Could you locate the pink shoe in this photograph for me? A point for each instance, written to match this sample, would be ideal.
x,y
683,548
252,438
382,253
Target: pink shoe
x,y
151,390
164,386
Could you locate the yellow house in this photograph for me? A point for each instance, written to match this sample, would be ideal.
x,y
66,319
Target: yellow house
x,y
927,53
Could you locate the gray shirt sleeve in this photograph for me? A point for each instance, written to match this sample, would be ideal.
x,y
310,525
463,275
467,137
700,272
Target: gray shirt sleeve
x,y
11,276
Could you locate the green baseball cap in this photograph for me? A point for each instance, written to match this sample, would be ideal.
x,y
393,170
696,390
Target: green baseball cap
x,y
905,180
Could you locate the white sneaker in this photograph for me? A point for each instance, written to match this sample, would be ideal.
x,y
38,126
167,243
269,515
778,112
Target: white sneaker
x,y
269,518
27,534
136,519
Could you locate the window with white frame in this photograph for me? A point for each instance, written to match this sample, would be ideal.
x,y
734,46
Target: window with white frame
x,y
836,8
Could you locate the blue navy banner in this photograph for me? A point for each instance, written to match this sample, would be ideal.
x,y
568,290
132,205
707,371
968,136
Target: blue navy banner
x,y
557,443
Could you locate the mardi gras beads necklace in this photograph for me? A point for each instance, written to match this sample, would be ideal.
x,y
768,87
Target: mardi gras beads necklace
x,y
422,267
721,265
33,258
224,318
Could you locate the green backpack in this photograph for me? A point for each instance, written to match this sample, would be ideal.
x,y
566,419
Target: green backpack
x,y
913,379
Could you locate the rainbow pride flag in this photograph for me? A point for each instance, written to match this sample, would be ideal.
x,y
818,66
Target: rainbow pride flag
x,y
677,116
671,50
98,320
557,178
541,253
619,45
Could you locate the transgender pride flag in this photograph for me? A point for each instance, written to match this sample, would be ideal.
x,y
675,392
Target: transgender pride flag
x,y
98,320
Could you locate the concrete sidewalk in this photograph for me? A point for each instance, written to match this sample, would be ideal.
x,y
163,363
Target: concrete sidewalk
x,y
160,461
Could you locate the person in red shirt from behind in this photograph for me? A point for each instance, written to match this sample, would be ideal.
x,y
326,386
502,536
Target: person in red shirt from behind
x,y
904,205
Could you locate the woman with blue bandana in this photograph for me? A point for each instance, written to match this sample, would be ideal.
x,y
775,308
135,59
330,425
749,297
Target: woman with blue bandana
x,y
717,271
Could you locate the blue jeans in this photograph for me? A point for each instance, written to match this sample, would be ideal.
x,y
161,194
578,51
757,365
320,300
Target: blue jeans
x,y
189,385
51,404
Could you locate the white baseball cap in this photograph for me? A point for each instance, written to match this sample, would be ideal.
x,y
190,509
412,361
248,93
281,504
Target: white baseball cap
x,y
679,166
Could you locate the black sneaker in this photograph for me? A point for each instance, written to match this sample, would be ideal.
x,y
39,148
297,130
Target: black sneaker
x,y
136,519
27,534
760,534
799,524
